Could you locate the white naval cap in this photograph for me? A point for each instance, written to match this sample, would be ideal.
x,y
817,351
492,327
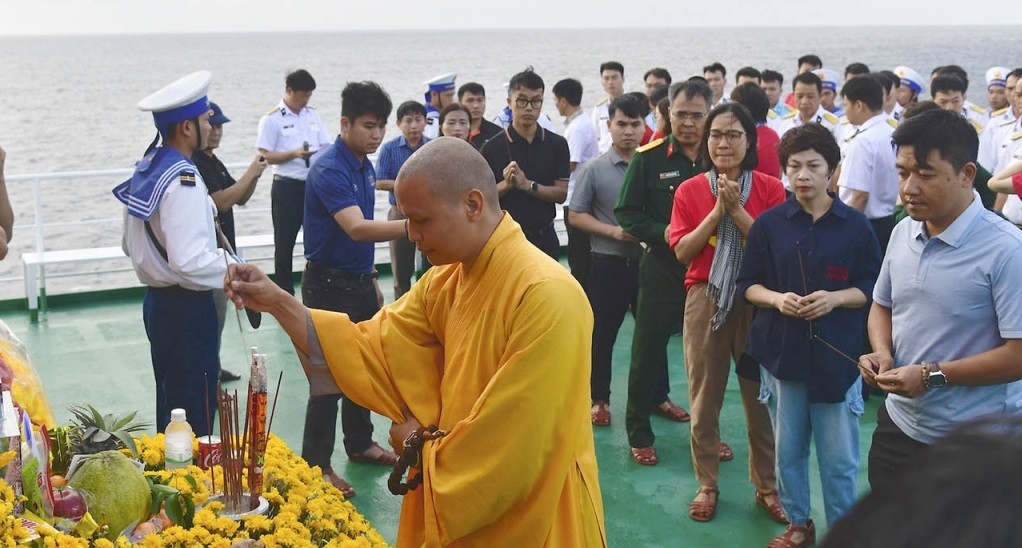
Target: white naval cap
x,y
997,76
911,78
444,82
830,78
181,100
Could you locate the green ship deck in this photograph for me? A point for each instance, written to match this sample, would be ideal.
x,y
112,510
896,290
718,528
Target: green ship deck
x,y
94,350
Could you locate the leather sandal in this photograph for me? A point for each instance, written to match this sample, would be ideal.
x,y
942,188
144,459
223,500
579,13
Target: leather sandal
x,y
704,510
600,413
383,458
673,412
645,456
344,487
774,509
786,540
725,453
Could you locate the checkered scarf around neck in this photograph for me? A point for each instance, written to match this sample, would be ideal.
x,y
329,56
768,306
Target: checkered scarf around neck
x,y
728,257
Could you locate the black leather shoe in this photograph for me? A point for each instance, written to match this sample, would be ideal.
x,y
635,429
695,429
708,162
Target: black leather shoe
x,y
226,376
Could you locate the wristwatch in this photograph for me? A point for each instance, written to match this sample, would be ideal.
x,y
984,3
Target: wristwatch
x,y
933,377
535,187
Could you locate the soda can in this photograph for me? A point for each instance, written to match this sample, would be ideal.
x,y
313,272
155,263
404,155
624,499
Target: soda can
x,y
210,452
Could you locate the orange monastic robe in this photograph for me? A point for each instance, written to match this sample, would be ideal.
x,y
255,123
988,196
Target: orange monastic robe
x,y
499,356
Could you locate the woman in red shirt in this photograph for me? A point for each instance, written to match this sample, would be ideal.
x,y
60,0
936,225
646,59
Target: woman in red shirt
x,y
711,217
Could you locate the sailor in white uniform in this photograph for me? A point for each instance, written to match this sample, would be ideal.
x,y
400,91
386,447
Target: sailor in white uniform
x,y
439,94
807,87
830,94
170,236
912,86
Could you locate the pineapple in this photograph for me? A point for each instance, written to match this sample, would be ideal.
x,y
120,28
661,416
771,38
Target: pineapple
x,y
94,433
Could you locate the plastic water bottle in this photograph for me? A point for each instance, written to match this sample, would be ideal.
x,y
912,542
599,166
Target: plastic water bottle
x,y
178,441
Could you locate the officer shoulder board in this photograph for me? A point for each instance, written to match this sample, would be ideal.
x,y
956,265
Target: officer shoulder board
x,y
650,145
187,178
844,121
790,114
999,112
892,122
771,114
602,101
828,116
976,125
1007,123
977,108
1016,136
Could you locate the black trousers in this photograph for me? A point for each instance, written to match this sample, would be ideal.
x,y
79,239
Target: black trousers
x,y
882,227
329,289
613,288
891,453
579,246
287,208
545,238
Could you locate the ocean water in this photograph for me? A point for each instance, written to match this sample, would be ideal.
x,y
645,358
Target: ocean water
x,y
68,103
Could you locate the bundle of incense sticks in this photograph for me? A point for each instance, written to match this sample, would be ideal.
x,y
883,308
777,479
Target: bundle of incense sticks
x,y
256,422
233,449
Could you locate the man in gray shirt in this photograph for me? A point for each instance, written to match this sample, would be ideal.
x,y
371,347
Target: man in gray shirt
x,y
613,281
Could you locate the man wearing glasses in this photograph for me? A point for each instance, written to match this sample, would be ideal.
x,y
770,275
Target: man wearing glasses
x,y
530,164
644,211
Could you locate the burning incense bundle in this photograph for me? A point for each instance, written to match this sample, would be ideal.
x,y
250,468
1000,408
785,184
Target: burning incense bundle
x,y
233,449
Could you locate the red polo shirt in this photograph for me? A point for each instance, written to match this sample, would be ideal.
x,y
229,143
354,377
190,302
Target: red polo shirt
x,y
693,201
766,150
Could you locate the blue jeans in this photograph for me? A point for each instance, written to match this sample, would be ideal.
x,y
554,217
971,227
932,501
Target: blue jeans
x,y
836,429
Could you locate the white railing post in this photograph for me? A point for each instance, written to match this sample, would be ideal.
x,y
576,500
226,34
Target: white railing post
x,y
40,239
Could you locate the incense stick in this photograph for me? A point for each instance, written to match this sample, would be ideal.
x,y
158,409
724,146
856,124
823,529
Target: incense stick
x,y
273,410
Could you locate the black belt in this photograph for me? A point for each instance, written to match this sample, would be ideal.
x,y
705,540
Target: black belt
x,y
531,233
338,273
178,290
287,179
616,258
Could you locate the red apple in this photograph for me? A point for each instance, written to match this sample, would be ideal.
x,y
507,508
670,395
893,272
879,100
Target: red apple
x,y
69,503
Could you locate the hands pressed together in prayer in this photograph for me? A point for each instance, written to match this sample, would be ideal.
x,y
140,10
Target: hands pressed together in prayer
x,y
879,372
516,178
729,196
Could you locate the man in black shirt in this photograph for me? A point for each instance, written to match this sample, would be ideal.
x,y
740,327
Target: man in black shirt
x,y
473,96
226,192
531,164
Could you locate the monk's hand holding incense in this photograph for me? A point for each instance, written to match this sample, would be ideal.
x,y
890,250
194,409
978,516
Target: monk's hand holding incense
x,y
249,287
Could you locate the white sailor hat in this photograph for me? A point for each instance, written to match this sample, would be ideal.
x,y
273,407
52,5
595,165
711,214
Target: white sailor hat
x,y
997,76
829,78
444,82
911,78
181,100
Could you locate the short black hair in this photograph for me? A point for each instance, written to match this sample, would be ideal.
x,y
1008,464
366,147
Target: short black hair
x,y
954,70
917,108
891,80
810,137
691,88
569,89
658,72
748,124
948,133
300,80
612,65
856,69
527,79
659,93
475,88
698,78
1017,73
628,105
753,98
750,72
807,78
715,67
640,97
865,88
811,59
772,76
410,107
361,98
947,83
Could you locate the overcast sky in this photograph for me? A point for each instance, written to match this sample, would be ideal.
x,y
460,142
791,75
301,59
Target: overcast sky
x,y
176,16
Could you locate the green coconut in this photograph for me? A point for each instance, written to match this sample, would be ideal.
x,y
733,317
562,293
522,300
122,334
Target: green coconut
x,y
115,490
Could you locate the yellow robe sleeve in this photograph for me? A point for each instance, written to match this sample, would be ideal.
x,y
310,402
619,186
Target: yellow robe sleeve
x,y
389,361
509,463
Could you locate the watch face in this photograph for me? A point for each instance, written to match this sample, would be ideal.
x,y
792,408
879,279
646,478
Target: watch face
x,y
936,380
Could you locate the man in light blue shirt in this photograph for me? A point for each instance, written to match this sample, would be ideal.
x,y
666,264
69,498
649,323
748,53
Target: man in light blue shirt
x,y
946,321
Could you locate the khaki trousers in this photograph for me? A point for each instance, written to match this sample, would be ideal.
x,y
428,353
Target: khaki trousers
x,y
708,356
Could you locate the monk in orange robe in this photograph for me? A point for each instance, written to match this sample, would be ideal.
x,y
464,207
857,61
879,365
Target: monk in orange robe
x,y
491,345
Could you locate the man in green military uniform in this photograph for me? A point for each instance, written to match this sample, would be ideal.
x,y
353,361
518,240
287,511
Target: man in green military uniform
x,y
644,211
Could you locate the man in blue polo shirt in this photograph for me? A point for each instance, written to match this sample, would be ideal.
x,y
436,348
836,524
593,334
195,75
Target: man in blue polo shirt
x,y
946,321
339,274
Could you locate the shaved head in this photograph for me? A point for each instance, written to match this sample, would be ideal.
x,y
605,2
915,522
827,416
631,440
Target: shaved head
x,y
451,167
449,197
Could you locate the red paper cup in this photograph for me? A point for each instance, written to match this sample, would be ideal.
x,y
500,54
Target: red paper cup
x,y
210,452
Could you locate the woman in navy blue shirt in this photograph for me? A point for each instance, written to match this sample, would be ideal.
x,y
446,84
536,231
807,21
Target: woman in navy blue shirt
x,y
810,265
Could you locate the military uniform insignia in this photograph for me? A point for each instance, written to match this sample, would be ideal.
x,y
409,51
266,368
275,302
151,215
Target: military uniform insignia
x,y
771,114
790,114
892,122
977,108
187,178
830,117
669,174
271,111
602,101
999,112
650,145
1016,136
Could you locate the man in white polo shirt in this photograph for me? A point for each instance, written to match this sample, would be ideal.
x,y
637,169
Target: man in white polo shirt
x,y
582,147
289,134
